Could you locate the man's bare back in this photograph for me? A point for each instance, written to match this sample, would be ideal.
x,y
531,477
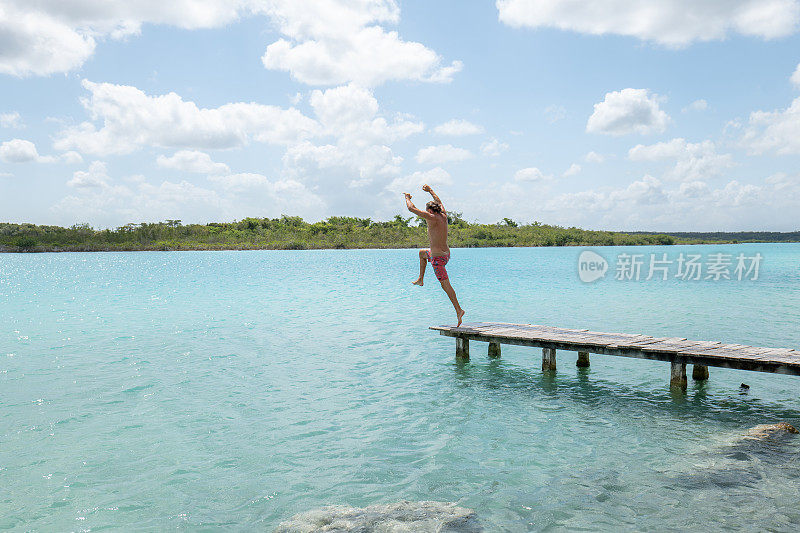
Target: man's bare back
x,y
439,253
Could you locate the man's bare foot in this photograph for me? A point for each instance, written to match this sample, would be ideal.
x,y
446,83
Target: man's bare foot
x,y
418,282
460,315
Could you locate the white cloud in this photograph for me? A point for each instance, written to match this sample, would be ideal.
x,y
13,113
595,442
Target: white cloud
x,y
457,127
795,79
693,189
661,150
445,74
697,105
308,159
787,185
445,153
668,22
10,120
332,42
368,57
345,106
18,151
284,194
554,113
594,157
357,184
39,44
573,170
71,158
493,148
22,151
414,182
237,197
693,161
132,119
649,204
313,18
327,41
96,176
628,111
531,174
116,205
736,194
240,181
647,191
774,131
368,160
192,161
691,206
359,137
47,36
351,112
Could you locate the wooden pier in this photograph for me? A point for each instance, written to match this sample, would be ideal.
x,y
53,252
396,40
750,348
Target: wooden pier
x,y
675,350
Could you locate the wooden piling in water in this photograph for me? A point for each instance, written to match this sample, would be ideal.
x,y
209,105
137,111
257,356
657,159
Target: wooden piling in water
x,y
462,348
699,372
494,350
583,360
548,359
677,379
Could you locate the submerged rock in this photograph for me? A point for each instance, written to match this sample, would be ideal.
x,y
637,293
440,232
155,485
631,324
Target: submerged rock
x,y
766,431
745,460
405,516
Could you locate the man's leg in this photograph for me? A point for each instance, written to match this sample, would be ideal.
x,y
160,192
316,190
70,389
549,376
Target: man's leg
x,y
452,294
423,262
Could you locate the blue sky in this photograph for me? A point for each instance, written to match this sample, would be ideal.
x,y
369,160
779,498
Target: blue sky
x,y
612,114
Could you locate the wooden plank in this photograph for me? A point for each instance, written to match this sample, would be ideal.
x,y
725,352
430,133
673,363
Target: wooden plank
x,y
719,350
669,347
639,344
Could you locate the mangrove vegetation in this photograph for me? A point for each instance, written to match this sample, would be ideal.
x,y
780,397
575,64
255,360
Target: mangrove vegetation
x,y
293,233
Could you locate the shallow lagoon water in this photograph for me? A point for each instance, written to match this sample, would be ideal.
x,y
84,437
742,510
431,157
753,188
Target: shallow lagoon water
x,y
231,390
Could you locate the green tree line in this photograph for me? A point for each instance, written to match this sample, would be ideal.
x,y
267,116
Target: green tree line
x,y
293,233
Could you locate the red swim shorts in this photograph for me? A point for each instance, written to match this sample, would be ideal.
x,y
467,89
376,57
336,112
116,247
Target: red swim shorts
x,y
438,262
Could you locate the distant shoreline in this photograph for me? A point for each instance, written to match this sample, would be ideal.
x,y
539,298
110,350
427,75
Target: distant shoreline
x,y
7,250
350,233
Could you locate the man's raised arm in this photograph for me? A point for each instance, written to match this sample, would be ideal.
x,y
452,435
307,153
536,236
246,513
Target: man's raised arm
x,y
427,188
411,207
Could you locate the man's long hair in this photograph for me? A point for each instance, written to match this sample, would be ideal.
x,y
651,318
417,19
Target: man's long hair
x,y
434,206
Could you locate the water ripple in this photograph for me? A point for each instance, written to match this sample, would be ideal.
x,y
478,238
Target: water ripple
x,y
232,390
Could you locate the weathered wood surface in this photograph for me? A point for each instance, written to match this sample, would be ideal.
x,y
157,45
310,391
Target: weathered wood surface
x,y
672,349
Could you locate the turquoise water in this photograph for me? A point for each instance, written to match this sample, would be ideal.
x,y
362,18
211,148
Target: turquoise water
x,y
230,390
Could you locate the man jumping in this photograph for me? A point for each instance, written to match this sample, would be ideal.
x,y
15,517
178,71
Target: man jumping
x,y
438,254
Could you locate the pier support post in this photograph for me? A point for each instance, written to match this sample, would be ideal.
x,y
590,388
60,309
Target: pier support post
x,y
583,360
462,348
699,372
494,350
677,378
548,359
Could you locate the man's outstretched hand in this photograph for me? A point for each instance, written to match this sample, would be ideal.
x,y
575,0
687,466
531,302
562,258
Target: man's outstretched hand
x,y
408,196
426,188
